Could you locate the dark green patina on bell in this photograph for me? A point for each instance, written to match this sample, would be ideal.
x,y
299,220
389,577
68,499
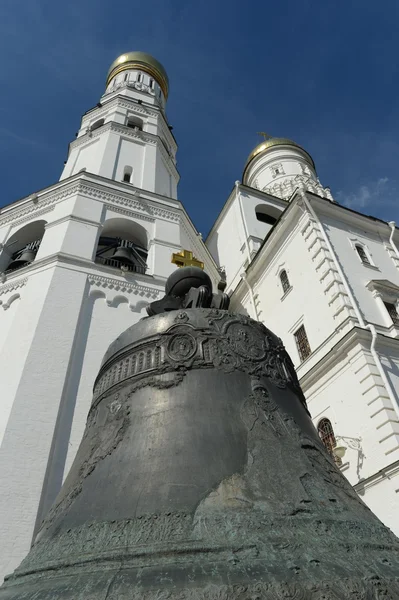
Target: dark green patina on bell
x,y
200,476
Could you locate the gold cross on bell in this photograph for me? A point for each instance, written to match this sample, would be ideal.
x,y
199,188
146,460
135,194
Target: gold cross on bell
x,y
185,258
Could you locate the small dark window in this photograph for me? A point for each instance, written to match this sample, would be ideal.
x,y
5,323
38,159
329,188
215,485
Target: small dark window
x,y
326,433
139,76
97,124
362,254
152,84
127,174
285,282
264,218
302,343
393,313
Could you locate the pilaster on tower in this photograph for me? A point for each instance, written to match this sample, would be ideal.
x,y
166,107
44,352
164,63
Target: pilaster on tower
x,y
126,136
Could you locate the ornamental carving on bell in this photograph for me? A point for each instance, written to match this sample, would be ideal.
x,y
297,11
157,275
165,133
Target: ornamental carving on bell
x,y
181,347
229,342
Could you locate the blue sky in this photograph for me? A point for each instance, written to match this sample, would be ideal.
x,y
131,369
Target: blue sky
x,y
323,73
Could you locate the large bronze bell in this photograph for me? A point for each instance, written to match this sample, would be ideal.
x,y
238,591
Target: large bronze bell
x,y
124,255
200,476
27,256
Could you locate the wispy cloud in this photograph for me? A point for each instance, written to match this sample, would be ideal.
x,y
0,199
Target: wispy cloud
x,y
35,143
382,191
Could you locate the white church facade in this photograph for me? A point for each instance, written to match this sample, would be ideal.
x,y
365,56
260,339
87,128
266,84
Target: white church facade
x,y
81,259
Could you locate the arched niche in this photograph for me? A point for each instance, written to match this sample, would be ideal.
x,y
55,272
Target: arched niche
x,y
123,244
135,123
266,213
97,124
22,246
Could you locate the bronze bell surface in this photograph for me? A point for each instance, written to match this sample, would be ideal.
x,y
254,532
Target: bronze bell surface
x,y
27,256
200,476
124,255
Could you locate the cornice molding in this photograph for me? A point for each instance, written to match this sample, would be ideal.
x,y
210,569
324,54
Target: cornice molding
x,y
72,218
129,213
132,207
117,102
123,286
13,285
386,473
30,209
142,136
336,352
109,197
343,214
38,213
138,108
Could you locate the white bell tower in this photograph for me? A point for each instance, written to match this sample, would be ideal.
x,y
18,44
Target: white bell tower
x,y
126,136
79,262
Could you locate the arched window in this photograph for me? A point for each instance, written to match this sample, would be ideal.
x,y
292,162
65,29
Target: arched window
x,y
127,174
285,282
326,434
266,213
362,254
264,218
302,343
21,248
123,245
135,123
97,124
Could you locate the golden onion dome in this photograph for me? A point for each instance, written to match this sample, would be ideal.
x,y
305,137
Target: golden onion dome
x,y
271,143
144,62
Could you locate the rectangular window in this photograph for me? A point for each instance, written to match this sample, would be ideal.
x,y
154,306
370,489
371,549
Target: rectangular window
x,y
393,313
302,343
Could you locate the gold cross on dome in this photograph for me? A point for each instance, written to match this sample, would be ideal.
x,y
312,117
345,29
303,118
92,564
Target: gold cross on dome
x,y
185,258
265,135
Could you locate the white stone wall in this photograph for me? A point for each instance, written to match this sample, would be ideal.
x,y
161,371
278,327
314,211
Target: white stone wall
x,y
284,312
237,234
61,313
375,239
342,378
348,390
